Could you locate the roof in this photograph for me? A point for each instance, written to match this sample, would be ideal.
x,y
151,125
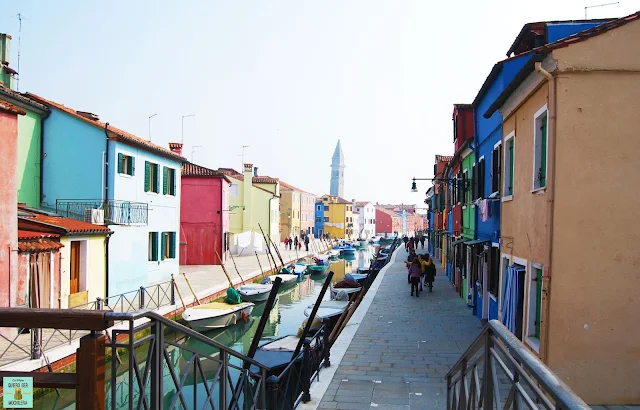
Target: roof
x,y
32,241
463,106
5,106
115,133
24,234
338,156
339,200
256,179
21,100
264,180
388,212
229,171
193,170
67,225
541,51
444,158
362,203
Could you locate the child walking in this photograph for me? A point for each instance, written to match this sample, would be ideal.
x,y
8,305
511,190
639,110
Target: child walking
x,y
415,272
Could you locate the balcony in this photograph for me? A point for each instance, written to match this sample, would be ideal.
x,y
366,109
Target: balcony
x,y
104,212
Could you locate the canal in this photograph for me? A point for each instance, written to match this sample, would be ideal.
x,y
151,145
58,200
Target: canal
x,y
285,318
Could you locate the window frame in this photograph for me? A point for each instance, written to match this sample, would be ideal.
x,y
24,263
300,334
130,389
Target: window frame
x,y
152,247
126,164
496,180
535,183
148,168
169,181
533,340
508,195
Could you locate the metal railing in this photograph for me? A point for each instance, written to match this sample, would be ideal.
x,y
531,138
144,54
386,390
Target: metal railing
x,y
115,212
499,371
225,379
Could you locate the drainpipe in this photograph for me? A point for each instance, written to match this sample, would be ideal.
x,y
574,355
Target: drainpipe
x,y
42,121
106,198
551,161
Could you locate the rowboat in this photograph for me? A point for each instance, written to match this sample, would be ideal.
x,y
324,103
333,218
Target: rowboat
x,y
329,309
316,269
333,253
336,293
254,292
300,268
348,250
216,315
287,279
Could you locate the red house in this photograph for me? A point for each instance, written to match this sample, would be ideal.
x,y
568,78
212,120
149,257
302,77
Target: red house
x,y
204,216
463,132
387,222
8,201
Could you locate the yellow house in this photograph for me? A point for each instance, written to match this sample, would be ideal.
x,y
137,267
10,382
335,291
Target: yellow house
x,y
289,211
338,217
254,203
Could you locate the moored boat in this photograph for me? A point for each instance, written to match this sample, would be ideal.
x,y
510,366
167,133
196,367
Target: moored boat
x,y
215,315
343,293
329,309
254,292
287,279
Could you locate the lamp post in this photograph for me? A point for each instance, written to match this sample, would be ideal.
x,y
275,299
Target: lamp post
x,y
150,117
183,117
414,187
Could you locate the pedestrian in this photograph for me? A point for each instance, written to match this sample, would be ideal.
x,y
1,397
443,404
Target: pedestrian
x,y
306,243
290,243
411,245
414,273
295,242
299,245
422,241
405,240
410,258
286,242
430,271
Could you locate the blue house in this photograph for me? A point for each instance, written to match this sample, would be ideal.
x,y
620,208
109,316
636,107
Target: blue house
x,y
95,172
319,219
484,250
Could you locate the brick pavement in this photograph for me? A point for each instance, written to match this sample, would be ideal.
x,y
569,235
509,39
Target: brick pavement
x,y
403,348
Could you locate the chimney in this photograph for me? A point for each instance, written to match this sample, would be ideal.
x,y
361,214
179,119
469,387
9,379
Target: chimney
x,y
176,147
255,171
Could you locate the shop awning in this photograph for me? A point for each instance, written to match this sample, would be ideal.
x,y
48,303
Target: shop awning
x,y
459,241
477,241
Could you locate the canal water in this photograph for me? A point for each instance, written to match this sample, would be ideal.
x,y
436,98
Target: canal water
x,y
284,319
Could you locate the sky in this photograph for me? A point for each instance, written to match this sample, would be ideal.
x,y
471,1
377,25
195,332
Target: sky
x,y
286,78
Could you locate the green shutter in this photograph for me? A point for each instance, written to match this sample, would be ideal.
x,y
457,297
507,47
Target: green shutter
x,y
511,165
131,166
147,173
538,301
154,246
165,175
119,163
162,245
157,186
543,153
172,245
173,182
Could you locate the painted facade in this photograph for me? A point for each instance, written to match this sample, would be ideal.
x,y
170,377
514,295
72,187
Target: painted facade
x,y
338,217
388,223
290,215
307,213
8,199
319,219
136,185
553,126
204,216
367,219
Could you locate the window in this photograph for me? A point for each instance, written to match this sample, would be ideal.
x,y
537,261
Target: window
x,y
540,149
326,219
496,168
233,189
509,162
125,164
466,192
535,302
168,245
153,246
481,175
151,180
326,208
474,182
494,270
169,181
318,219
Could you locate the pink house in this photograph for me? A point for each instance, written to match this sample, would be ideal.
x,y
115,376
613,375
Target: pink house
x,y
8,202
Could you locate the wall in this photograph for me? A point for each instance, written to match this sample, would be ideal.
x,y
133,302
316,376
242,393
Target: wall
x,y
201,227
307,216
8,208
319,224
93,274
468,210
337,215
236,198
128,258
383,223
289,214
594,302
72,164
29,154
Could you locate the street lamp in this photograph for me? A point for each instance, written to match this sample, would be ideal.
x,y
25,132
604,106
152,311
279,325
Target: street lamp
x,y
414,187
150,117
183,117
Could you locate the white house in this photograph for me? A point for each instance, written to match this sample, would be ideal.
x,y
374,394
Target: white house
x,y
367,220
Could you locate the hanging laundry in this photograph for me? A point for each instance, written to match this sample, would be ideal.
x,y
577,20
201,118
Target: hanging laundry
x,y
484,211
511,296
244,239
257,241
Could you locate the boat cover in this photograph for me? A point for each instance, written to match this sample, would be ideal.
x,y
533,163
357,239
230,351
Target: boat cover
x,y
285,344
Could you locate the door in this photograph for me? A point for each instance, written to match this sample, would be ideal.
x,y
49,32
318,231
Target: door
x,y
40,277
74,269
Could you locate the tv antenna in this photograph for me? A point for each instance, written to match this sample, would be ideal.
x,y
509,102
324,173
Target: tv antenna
x,y
242,155
20,18
597,5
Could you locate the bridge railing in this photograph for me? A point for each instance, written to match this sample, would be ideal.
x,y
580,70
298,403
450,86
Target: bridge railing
x,y
499,371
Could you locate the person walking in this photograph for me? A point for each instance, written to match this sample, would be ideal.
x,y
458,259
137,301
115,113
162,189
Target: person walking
x,y
286,242
422,242
295,242
430,271
411,245
306,243
405,240
410,258
414,273
290,243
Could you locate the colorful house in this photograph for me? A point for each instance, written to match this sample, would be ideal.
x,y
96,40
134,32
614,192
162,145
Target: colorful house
x,y
338,214
65,276
388,223
93,171
319,219
254,207
569,124
204,215
367,220
307,213
290,199
8,197
440,211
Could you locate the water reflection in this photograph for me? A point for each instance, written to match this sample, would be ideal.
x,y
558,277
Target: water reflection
x,y
285,318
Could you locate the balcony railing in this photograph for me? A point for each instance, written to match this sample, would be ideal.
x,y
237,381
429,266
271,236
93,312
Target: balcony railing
x,y
107,212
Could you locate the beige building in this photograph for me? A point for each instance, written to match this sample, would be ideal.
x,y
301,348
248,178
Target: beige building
x,y
569,202
289,211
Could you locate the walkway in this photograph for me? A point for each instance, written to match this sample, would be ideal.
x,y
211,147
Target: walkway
x,y
403,348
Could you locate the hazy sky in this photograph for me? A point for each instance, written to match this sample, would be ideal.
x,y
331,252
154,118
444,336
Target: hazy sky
x,y
285,77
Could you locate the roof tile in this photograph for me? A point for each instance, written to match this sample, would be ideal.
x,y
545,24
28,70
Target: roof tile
x,y
193,170
68,224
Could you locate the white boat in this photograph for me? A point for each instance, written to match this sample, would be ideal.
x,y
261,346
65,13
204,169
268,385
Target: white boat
x,y
286,278
328,308
254,292
216,315
343,293
333,253
299,268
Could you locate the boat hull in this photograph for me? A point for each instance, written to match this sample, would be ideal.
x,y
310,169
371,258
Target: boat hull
x,y
203,321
